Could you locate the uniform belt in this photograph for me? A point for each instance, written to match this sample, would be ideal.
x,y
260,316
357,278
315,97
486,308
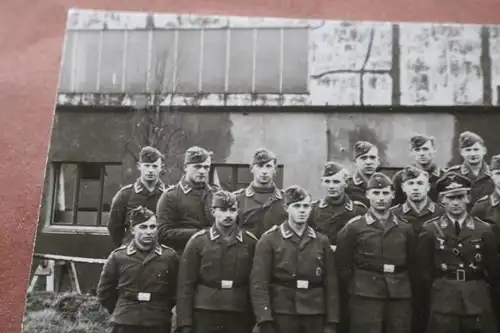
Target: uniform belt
x,y
224,284
296,284
143,296
381,268
462,275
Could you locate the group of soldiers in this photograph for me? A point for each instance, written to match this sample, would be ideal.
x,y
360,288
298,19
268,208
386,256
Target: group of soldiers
x,y
416,253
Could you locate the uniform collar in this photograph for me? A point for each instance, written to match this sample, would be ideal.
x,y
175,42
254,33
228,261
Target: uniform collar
x,y
431,206
186,187
485,169
139,186
249,192
347,203
357,178
467,221
433,169
214,234
370,218
287,232
495,199
131,249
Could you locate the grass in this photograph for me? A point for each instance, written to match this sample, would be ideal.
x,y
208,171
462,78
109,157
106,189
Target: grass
x,y
64,313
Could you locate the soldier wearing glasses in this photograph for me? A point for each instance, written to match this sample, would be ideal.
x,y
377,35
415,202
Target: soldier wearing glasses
x,y
458,259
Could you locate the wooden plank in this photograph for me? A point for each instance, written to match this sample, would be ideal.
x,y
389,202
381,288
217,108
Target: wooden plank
x,y
51,278
74,278
68,258
32,285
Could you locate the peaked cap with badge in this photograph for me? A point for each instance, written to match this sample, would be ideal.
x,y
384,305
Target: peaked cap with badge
x,y
293,194
223,199
332,168
418,141
378,181
468,139
453,182
263,156
362,147
195,155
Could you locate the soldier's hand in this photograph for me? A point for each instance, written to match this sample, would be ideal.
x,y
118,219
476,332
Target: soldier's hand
x,y
266,327
331,328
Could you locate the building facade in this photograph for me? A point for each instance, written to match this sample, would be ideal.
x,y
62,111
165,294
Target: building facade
x,y
308,90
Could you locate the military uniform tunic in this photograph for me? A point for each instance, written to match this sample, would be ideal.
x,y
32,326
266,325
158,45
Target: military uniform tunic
x,y
330,218
487,209
138,288
214,282
356,189
126,199
182,211
417,219
374,260
294,277
259,211
460,270
482,184
435,174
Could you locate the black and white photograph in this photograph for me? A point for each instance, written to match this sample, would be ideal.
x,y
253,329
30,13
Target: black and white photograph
x,y
221,174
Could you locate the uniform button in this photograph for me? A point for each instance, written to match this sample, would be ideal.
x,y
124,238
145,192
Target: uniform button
x,y
459,245
461,265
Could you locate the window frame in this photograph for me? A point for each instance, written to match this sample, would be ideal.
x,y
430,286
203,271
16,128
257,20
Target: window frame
x,y
71,80
234,173
72,227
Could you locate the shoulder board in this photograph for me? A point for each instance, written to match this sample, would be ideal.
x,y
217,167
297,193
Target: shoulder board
x,y
359,203
167,247
274,227
454,167
482,198
354,219
481,221
123,247
238,192
315,202
434,219
251,235
123,188
199,233
394,207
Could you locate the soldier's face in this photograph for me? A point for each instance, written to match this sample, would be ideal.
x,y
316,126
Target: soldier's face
x,y
150,171
416,189
424,154
369,162
198,173
145,232
473,154
298,212
263,173
456,203
334,186
380,199
495,177
225,216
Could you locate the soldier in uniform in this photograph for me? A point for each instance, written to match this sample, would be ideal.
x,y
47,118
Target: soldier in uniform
x,y
417,209
423,149
184,209
458,259
474,167
261,203
146,191
293,282
330,215
374,255
487,208
213,289
366,158
139,281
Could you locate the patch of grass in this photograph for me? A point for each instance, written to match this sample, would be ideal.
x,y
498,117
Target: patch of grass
x,y
64,313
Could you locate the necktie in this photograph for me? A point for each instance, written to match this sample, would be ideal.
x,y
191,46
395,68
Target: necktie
x,y
457,228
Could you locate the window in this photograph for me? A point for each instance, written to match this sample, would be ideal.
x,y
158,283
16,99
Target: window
x,y
83,192
235,60
233,177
